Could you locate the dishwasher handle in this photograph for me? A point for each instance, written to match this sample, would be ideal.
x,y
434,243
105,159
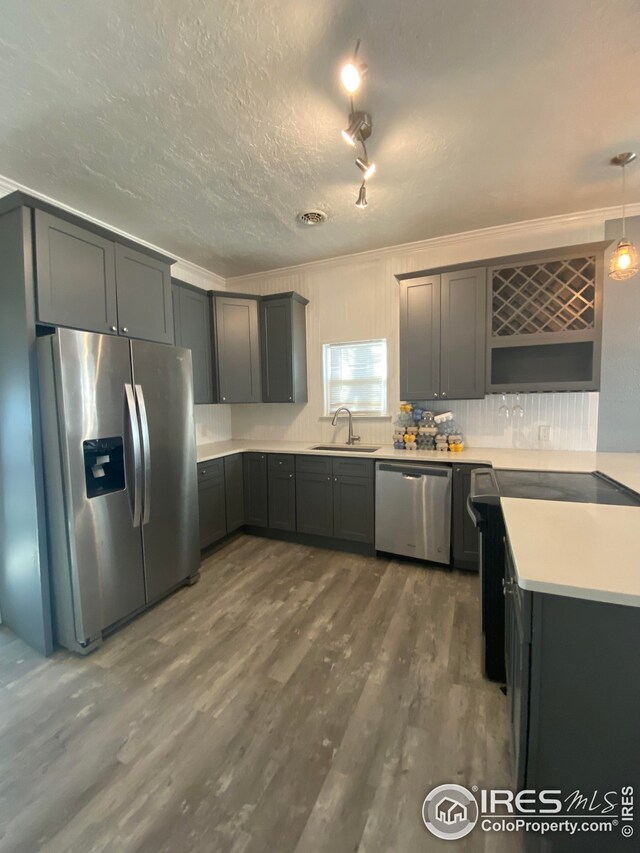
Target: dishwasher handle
x,y
415,471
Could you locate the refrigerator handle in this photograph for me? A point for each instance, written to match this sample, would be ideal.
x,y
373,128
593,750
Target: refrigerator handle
x,y
146,454
137,467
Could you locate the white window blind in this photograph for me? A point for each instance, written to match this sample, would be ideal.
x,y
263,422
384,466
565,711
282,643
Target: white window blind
x,y
355,375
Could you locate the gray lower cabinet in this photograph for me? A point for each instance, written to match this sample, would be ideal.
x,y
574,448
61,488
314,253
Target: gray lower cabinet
x,y
234,491
573,688
283,345
75,276
353,508
314,499
86,281
192,329
464,535
335,497
281,492
256,496
443,335
236,352
211,502
145,308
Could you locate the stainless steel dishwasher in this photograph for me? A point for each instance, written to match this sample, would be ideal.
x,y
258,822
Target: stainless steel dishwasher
x,y
413,510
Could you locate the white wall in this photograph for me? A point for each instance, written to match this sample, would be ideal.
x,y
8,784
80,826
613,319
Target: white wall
x,y
356,297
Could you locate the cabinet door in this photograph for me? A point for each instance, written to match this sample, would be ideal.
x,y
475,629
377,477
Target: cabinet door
x,y
314,504
420,338
192,328
276,350
353,502
463,334
145,308
212,514
282,500
465,539
75,274
255,489
234,491
237,351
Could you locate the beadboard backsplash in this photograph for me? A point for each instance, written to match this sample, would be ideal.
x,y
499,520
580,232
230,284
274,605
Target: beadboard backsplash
x,y
213,423
572,419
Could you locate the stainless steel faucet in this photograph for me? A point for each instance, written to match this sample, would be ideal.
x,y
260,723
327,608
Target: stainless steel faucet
x,y
353,439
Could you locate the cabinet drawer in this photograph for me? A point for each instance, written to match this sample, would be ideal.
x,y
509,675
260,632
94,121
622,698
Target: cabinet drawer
x,y
209,470
281,462
314,464
353,467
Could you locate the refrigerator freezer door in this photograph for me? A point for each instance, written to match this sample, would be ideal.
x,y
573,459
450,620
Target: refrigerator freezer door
x,y
104,549
164,394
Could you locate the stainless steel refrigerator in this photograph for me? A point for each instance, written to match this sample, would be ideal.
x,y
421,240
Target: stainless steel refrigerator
x,y
121,482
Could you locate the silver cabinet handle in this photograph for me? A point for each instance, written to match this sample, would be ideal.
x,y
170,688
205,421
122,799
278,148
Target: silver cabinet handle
x,y
146,454
223,399
204,471
137,466
290,398
444,394
125,330
291,476
435,393
114,328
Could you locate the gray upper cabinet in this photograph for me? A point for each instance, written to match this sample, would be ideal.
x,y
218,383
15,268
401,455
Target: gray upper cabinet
x,y
442,336
192,328
420,338
463,334
283,348
76,276
86,281
144,296
236,349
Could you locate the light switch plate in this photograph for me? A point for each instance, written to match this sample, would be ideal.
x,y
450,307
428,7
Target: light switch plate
x,y
544,432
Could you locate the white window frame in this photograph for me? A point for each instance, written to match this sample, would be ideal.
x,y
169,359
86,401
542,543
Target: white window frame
x,y
384,400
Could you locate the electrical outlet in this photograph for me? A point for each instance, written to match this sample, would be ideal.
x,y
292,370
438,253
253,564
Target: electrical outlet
x,y
544,432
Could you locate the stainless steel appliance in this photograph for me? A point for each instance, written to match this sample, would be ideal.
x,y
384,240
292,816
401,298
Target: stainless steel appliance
x,y
487,487
121,483
413,510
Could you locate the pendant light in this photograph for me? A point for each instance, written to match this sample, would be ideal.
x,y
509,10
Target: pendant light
x,y
624,260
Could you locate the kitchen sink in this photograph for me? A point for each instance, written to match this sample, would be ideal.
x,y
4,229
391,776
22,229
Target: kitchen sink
x,y
345,448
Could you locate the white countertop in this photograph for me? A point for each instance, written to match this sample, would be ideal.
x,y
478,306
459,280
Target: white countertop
x,y
575,549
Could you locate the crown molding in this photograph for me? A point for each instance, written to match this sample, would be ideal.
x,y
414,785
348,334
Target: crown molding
x,y
197,275
543,225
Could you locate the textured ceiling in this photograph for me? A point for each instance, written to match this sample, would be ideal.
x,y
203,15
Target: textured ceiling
x,y
204,126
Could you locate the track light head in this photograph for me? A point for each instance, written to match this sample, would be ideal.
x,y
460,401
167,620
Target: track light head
x,y
362,196
359,128
351,76
368,169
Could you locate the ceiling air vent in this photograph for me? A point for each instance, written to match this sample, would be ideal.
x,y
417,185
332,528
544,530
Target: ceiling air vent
x,y
312,217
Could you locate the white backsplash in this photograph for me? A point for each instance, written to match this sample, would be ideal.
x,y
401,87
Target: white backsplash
x,y
213,423
572,419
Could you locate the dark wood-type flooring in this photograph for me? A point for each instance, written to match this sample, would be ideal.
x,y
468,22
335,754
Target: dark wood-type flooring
x,y
295,699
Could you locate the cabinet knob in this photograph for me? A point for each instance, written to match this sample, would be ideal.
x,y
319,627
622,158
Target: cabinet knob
x,y
335,479
290,398
204,471
291,476
114,328
444,393
328,479
223,399
125,330
435,393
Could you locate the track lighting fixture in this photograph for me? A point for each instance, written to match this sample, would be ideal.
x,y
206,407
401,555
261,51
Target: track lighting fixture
x,y
624,260
368,169
359,128
362,196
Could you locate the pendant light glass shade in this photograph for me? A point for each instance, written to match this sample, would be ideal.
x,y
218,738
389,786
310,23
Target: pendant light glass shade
x,y
624,261
362,196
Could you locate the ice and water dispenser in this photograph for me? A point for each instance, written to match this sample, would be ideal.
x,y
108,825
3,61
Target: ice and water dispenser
x,y
103,465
